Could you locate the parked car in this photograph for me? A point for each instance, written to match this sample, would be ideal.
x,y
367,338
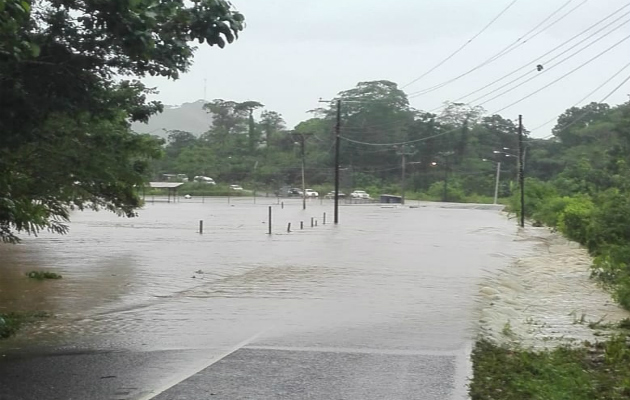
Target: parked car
x,y
204,179
359,194
310,193
331,195
293,192
236,187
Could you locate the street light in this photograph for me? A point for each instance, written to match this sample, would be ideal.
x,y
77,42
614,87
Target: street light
x,y
302,144
496,183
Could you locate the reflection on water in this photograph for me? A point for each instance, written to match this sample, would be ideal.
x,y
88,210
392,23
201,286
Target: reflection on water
x,y
390,278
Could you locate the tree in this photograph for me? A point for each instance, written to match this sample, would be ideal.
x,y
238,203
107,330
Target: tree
x,y
270,124
252,130
456,114
178,141
572,125
228,119
373,112
65,113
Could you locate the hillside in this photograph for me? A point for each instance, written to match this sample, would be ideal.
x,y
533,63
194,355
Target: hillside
x,y
188,117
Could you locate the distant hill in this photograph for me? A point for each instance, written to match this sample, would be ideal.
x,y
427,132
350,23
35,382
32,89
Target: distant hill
x,y
188,117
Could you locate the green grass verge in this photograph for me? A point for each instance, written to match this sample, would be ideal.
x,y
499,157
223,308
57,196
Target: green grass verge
x,y
11,322
591,372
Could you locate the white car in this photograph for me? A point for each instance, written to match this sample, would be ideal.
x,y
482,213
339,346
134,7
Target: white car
x,y
204,179
236,187
359,194
310,193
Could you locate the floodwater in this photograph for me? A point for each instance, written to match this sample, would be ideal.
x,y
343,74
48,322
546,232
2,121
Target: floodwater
x,y
548,299
387,279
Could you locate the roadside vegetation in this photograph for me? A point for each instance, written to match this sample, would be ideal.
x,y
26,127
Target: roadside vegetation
x,y
10,323
43,275
587,372
584,195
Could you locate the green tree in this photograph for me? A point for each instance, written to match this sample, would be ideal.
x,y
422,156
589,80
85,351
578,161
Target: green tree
x,y
65,113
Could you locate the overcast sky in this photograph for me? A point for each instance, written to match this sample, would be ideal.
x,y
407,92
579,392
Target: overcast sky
x,y
294,52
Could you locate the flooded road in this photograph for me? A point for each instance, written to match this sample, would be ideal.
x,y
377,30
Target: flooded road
x,y
389,290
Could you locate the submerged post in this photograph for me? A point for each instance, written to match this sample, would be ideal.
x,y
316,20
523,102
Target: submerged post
x,y
301,224
269,220
289,227
312,222
324,219
200,227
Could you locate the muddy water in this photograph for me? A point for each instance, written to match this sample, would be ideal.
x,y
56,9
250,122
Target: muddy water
x,y
394,279
548,299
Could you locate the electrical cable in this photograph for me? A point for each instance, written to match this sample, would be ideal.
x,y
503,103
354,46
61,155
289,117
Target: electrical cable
x,y
513,46
563,76
578,119
530,72
538,75
530,63
587,96
462,47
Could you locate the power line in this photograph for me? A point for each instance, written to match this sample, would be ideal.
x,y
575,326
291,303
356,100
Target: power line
x,y
563,76
588,95
578,119
547,69
529,64
400,143
459,128
462,47
503,52
384,125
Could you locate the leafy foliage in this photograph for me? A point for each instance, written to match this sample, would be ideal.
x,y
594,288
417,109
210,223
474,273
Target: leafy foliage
x,y
589,373
65,113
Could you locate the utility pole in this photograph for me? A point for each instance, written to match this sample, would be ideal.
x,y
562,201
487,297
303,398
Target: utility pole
x,y
337,148
300,139
496,184
445,196
302,145
445,156
402,151
521,169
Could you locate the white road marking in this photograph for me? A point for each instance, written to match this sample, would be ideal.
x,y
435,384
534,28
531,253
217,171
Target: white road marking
x,y
178,379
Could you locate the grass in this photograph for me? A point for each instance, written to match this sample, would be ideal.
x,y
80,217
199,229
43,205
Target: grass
x,y
43,275
10,323
589,372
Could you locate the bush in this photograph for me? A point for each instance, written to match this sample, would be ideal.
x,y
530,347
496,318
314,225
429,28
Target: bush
x,y
10,323
537,195
455,193
611,221
42,275
549,211
575,219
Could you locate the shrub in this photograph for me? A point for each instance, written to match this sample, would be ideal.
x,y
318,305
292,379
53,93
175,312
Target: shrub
x,y
42,275
575,219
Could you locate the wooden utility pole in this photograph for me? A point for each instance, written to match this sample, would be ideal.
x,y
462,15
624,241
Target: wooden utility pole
x,y
521,169
403,152
337,149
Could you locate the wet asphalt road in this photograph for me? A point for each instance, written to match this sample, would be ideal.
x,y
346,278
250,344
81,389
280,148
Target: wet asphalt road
x,y
380,307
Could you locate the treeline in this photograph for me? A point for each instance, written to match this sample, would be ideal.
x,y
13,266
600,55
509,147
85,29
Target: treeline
x,y
250,145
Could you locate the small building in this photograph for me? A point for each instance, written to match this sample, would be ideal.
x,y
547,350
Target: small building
x,y
171,188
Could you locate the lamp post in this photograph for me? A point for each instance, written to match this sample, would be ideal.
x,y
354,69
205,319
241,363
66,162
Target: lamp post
x,y
496,183
301,141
